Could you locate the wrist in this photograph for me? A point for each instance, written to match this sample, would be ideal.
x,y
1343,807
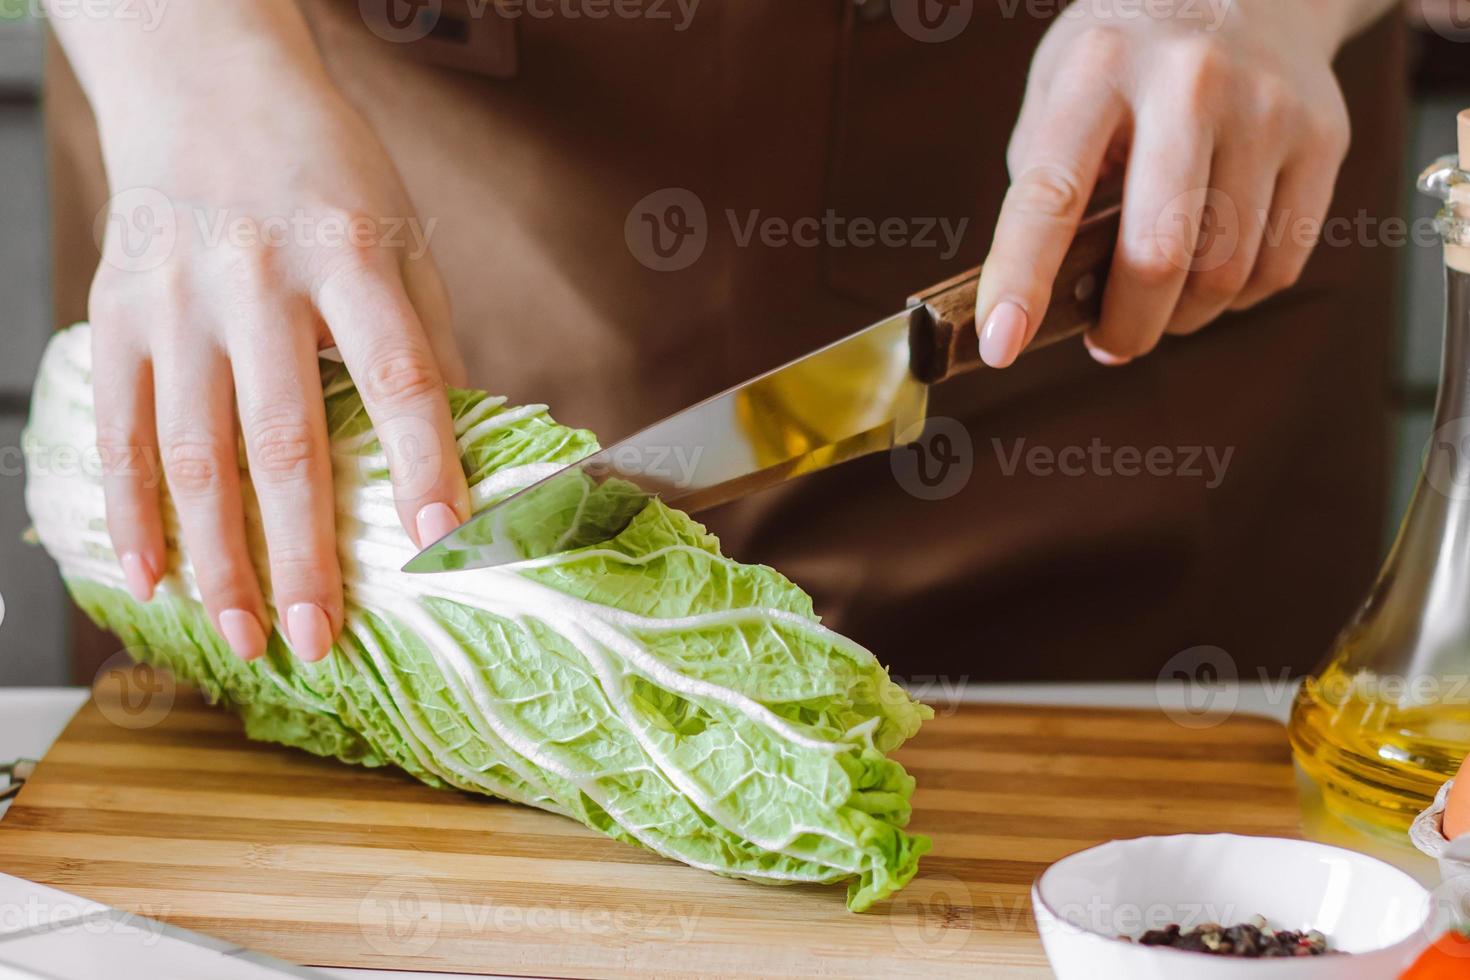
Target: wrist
x,y
164,118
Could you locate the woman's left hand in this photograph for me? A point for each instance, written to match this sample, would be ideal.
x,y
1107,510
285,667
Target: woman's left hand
x,y
1231,127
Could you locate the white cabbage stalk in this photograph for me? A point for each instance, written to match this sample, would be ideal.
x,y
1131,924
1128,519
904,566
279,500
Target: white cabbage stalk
x,y
646,685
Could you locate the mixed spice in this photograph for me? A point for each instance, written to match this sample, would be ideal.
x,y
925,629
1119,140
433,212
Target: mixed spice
x,y
1252,938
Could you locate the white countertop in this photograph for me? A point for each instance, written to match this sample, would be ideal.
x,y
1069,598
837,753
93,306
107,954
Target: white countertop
x,y
31,719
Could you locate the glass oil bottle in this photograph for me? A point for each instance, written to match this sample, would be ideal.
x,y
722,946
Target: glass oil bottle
x,y
1386,720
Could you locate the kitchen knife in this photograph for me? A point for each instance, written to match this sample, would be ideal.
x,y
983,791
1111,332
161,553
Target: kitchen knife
x,y
864,394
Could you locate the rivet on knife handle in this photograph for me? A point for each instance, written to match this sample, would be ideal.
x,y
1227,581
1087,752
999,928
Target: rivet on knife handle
x,y
942,337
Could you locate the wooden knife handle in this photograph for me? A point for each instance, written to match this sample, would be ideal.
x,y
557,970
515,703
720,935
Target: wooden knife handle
x,y
942,337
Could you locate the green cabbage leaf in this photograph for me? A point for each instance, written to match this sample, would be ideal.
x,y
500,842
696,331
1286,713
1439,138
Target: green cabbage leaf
x,y
645,685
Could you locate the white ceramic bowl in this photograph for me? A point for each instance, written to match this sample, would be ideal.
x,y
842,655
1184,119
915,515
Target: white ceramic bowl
x,y
1365,907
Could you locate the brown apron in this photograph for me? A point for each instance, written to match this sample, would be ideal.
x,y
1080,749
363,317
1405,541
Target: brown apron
x,y
774,108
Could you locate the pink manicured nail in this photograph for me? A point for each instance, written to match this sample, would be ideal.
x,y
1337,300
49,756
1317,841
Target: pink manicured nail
x,y
310,632
435,521
243,633
139,575
1103,357
1003,336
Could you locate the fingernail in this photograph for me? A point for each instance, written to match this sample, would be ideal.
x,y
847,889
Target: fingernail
x,y
1004,333
242,632
435,521
140,577
1101,356
310,632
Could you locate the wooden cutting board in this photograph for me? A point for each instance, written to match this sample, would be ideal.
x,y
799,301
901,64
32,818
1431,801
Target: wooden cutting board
x,y
166,810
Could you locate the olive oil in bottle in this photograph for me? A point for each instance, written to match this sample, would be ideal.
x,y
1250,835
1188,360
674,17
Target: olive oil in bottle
x,y
1386,720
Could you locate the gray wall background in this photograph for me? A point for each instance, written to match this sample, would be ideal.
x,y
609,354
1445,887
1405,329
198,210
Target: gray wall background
x,y
33,634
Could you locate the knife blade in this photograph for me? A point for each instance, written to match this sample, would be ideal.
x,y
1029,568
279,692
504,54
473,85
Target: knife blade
x,y
866,393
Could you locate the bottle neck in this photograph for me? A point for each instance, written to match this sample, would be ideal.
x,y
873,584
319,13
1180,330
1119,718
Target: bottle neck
x,y
1452,407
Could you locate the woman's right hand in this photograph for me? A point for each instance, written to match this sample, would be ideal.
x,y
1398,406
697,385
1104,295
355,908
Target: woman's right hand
x,y
252,225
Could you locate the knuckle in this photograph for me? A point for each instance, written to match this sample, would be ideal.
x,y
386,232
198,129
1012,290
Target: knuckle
x,y
1160,259
282,448
1101,48
1049,190
301,570
226,580
253,269
1203,72
357,251
117,447
400,375
106,304
192,465
1275,110
1223,284
115,299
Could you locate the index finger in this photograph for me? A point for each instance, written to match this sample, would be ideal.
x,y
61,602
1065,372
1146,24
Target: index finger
x,y
1055,174
388,355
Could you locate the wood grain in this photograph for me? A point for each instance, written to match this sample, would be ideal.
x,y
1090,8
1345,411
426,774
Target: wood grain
x,y
175,815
